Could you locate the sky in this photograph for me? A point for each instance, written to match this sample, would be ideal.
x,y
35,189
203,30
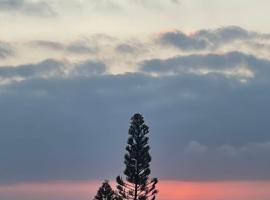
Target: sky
x,y
73,72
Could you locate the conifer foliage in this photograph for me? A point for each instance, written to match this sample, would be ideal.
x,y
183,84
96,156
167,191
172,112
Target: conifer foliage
x,y
138,185
105,192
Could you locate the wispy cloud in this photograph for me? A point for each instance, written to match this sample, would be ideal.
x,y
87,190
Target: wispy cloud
x,y
77,47
6,50
27,7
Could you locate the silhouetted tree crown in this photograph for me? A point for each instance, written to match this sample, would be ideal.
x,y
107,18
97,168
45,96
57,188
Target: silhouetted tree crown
x,y
138,185
105,192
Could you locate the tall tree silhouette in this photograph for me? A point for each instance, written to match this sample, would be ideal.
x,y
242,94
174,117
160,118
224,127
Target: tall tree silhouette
x,y
105,192
138,185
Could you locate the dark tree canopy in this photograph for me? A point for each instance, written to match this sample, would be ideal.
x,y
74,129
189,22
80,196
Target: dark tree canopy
x,y
138,185
105,192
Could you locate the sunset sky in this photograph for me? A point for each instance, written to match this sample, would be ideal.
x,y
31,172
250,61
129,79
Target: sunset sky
x,y
73,72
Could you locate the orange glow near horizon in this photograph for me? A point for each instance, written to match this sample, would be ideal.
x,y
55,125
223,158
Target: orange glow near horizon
x,y
175,190
168,190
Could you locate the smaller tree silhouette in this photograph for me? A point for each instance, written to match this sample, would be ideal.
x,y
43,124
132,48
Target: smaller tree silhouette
x,y
105,192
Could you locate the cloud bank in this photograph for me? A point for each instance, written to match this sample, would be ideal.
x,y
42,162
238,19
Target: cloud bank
x,y
208,112
58,129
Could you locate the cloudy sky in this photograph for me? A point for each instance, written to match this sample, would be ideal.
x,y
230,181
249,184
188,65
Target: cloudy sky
x,y
72,73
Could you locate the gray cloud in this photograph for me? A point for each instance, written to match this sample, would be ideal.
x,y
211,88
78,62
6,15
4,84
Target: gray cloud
x,y
182,41
76,127
69,121
105,5
5,50
175,1
25,71
125,48
231,64
77,47
81,46
156,4
195,147
132,47
209,39
47,44
40,8
50,68
249,161
89,68
225,34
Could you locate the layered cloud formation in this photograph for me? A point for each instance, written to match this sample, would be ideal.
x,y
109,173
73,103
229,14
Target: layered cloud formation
x,y
210,39
205,99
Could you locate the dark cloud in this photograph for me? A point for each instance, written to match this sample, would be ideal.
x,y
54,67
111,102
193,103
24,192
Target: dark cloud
x,y
89,68
76,127
40,8
5,50
232,63
225,34
51,68
209,38
182,41
31,70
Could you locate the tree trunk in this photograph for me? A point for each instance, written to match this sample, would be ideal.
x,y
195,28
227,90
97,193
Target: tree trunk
x,y
136,180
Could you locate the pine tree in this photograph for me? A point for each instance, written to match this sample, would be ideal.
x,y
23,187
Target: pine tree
x,y
138,185
105,192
